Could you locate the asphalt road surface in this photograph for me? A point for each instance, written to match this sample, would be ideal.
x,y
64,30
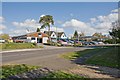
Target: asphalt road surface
x,y
47,58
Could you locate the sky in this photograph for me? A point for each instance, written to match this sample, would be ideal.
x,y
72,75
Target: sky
x,y
87,17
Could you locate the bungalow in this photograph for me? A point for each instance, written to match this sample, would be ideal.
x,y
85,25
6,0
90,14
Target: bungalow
x,y
35,37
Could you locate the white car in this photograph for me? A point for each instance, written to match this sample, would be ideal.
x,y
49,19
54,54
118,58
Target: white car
x,y
100,43
2,41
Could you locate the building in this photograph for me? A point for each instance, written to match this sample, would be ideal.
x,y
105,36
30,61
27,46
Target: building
x,y
53,35
56,35
87,38
61,35
35,37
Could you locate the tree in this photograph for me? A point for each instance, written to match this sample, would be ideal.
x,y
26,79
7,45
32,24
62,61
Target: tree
x,y
46,21
75,36
99,35
4,36
115,32
38,30
82,34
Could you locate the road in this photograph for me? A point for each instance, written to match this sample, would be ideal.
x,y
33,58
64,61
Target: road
x,y
50,58
44,57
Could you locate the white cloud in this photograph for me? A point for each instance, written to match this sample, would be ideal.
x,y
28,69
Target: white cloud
x,y
1,19
100,23
79,26
42,15
93,20
2,27
22,27
53,29
14,32
114,11
31,25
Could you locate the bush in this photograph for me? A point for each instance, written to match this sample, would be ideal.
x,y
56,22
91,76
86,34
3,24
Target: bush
x,y
35,44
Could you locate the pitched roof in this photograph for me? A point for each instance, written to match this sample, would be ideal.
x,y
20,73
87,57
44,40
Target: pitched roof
x,y
46,32
60,33
33,34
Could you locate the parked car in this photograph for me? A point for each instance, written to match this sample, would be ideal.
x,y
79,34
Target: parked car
x,y
2,40
94,43
62,42
21,40
100,43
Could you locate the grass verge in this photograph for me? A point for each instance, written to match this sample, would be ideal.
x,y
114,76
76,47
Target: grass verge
x,y
64,75
108,57
74,55
9,70
100,56
10,46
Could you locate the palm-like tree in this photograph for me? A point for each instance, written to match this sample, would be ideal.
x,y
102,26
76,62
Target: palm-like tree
x,y
46,21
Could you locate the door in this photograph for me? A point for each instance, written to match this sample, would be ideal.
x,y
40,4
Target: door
x,y
39,40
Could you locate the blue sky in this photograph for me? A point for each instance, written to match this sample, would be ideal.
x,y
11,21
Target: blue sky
x,y
19,15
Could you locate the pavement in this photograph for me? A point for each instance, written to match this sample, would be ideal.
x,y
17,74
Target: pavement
x,y
33,49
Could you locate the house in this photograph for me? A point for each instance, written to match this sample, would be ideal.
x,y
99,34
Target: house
x,y
52,34
61,35
34,37
56,35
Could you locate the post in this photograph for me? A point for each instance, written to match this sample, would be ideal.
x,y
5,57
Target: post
x,y
56,34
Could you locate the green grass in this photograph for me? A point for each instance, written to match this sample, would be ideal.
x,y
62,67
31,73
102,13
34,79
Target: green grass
x,y
100,56
74,55
107,57
9,46
60,74
9,70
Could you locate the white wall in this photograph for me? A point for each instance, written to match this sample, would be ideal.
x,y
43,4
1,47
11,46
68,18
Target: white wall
x,y
44,39
55,36
34,41
63,36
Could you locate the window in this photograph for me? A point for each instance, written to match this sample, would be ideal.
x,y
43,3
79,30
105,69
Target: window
x,y
23,38
32,38
39,33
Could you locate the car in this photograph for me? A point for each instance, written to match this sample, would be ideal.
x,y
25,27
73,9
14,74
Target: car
x,y
2,40
100,43
62,42
94,43
21,40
